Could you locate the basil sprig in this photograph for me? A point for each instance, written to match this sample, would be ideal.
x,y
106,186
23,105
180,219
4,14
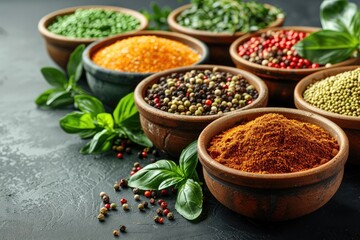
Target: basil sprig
x,y
63,91
157,17
340,37
165,173
91,121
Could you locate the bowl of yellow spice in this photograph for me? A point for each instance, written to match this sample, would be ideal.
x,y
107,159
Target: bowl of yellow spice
x,y
334,94
273,164
115,65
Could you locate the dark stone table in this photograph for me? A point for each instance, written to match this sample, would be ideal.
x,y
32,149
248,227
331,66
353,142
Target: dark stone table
x,y
50,191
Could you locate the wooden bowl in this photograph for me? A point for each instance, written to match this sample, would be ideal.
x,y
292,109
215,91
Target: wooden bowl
x,y
218,43
60,47
351,125
172,133
281,82
111,85
273,197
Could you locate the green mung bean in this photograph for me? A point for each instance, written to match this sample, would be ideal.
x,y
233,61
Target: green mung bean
x,y
338,94
93,23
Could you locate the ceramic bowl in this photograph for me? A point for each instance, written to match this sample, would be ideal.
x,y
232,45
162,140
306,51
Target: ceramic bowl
x,y
218,43
281,82
60,47
351,125
172,133
273,197
111,85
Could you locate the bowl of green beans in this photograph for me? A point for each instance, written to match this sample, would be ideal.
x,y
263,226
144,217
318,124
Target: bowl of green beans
x,y
219,23
65,29
335,94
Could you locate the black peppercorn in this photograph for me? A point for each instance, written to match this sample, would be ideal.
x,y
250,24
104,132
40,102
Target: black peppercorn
x,y
159,211
106,199
122,228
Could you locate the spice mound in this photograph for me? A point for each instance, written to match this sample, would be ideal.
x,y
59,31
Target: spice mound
x,y
338,94
273,144
145,54
93,23
201,92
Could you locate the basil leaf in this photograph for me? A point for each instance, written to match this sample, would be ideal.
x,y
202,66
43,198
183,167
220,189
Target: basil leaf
x,y
105,120
189,200
170,182
195,177
74,66
54,77
152,175
77,122
85,149
88,133
337,14
42,98
327,46
188,159
59,98
355,26
101,142
89,104
138,137
125,109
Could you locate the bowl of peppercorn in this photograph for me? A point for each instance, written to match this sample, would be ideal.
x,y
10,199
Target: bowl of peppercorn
x,y
176,105
269,54
63,30
218,23
115,65
334,94
273,164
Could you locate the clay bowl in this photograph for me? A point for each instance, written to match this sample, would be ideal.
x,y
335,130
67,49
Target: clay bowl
x,y
172,133
111,85
281,82
273,197
218,43
60,47
351,125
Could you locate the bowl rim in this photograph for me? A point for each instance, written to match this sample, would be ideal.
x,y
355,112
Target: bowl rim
x,y
343,120
47,19
140,88
273,180
201,33
164,34
258,67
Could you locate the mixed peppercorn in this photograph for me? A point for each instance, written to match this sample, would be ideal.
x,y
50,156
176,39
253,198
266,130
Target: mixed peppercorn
x,y
276,49
201,92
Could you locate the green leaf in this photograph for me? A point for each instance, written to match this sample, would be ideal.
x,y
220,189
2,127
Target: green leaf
x,y
327,46
101,142
105,120
54,77
138,137
89,104
152,175
42,98
74,66
170,182
126,110
85,149
355,26
189,200
77,122
88,133
59,98
188,159
337,14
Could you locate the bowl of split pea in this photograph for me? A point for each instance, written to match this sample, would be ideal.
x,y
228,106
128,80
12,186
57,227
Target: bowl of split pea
x,y
219,23
65,29
273,164
115,65
334,94
177,104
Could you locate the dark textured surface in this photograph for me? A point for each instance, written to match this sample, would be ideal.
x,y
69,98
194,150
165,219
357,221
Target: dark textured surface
x,y
49,191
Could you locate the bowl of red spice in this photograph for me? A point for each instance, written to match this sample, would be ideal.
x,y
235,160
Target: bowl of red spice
x,y
115,65
63,30
334,94
273,164
176,105
269,53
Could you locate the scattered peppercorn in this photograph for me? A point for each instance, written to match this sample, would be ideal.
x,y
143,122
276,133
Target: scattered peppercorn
x,y
164,205
164,192
119,155
166,211
201,92
170,216
123,200
146,204
160,201
159,211
136,164
147,194
136,190
153,194
117,187
105,199
128,150
116,233
113,206
107,206
136,197
102,194
141,206
152,201
123,183
276,49
125,206
101,217
122,228
156,219
161,220
155,152
104,210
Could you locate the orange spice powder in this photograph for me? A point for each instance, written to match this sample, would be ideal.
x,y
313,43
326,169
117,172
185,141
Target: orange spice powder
x,y
145,54
273,144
